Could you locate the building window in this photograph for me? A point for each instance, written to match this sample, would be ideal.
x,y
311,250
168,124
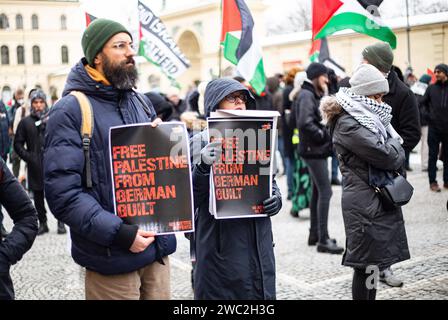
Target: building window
x,y
20,55
19,22
63,22
5,55
64,54
36,55
34,22
4,24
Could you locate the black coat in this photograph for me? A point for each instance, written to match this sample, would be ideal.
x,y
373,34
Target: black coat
x,y
405,111
31,131
436,102
315,141
288,129
17,203
374,236
234,257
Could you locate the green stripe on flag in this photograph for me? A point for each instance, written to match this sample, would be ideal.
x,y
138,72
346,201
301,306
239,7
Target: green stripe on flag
x,y
230,46
358,23
258,81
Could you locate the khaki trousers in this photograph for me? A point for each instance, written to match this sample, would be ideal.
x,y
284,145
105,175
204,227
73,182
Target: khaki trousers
x,y
149,283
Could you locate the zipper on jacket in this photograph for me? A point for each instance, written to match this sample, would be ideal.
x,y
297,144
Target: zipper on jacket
x,y
108,252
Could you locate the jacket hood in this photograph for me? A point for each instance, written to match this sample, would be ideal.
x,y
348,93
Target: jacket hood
x,y
330,109
79,80
218,89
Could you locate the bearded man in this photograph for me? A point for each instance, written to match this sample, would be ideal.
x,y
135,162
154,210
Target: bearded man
x,y
121,260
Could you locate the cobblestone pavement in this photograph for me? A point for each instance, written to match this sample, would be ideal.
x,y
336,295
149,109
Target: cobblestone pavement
x,y
48,272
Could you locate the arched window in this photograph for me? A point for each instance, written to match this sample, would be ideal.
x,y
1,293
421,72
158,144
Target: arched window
x,y
64,54
5,55
36,55
34,22
19,22
63,22
20,55
4,24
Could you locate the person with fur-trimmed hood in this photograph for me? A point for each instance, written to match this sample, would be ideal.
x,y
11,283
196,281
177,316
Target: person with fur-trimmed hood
x,y
368,148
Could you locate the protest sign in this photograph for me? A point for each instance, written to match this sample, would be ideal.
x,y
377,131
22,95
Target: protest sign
x,y
151,176
241,179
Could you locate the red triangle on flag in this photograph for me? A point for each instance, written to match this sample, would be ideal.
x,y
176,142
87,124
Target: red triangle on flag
x,y
231,18
323,10
432,74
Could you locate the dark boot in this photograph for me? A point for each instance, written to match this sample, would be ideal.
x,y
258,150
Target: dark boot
x,y
329,246
43,228
61,228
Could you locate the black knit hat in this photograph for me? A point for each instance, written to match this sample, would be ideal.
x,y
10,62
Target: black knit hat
x,y
315,70
97,34
442,67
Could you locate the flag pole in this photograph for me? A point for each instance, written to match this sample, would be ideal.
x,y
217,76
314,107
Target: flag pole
x,y
220,47
408,31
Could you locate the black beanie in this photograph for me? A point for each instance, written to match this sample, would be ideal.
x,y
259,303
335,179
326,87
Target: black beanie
x,y
315,70
442,67
97,34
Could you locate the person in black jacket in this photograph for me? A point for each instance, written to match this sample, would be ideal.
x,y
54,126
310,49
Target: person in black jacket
x,y
419,88
436,102
315,147
405,113
234,257
367,146
29,143
18,205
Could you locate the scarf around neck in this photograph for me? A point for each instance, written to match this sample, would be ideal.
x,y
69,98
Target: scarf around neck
x,y
369,113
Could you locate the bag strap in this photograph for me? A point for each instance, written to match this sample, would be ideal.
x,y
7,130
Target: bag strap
x,y
87,126
144,105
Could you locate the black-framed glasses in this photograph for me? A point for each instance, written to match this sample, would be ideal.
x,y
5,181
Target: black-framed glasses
x,y
232,98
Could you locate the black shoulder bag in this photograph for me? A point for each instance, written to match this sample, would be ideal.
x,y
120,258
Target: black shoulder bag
x,y
396,193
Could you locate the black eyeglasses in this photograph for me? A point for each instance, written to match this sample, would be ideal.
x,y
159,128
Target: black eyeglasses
x,y
236,95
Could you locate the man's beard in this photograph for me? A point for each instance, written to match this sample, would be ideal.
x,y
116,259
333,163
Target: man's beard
x,y
121,76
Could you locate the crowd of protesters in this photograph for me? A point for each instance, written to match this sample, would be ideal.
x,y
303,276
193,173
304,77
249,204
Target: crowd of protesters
x,y
367,124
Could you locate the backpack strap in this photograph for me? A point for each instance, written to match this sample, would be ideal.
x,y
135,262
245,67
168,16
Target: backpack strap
x,y
144,105
87,126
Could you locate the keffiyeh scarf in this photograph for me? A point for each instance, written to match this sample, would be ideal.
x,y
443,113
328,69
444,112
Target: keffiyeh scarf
x,y
369,113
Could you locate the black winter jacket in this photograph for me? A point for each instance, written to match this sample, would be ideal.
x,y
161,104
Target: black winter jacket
x,y
436,102
374,236
315,141
17,203
31,132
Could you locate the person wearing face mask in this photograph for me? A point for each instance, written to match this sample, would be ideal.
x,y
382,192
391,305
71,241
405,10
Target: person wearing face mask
x,y
234,257
314,148
29,143
367,146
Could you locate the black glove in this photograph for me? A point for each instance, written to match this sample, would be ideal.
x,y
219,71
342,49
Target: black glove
x,y
209,154
272,205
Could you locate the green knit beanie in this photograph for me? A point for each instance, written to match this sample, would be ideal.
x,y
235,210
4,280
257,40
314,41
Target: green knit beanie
x,y
379,55
97,34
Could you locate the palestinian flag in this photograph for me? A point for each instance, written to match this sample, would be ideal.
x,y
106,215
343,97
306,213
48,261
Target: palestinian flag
x,y
240,44
89,19
330,16
321,53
